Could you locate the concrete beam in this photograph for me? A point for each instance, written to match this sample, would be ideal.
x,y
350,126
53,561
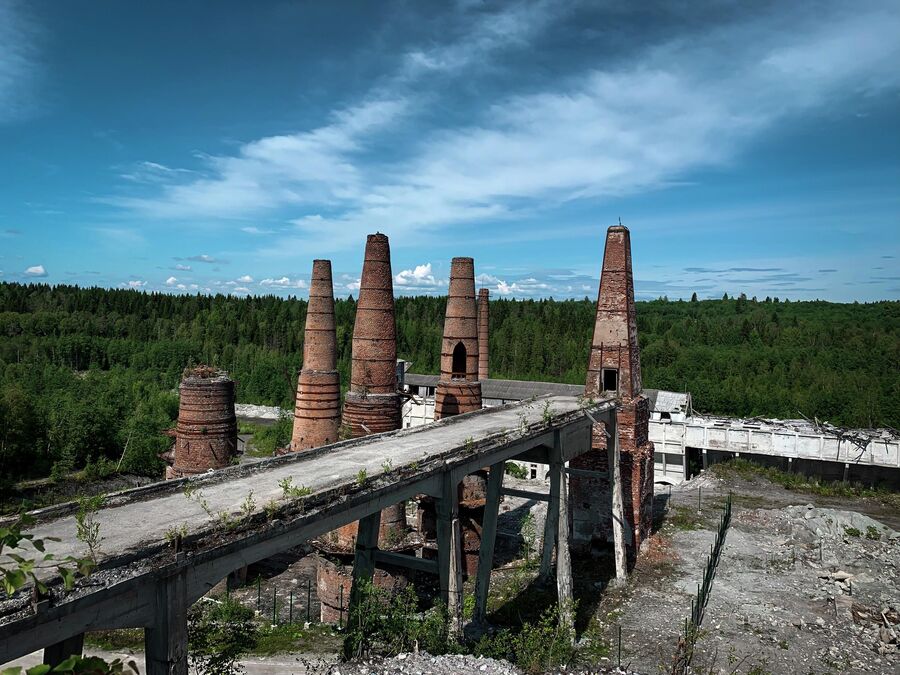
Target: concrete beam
x,y
526,494
449,540
406,561
57,653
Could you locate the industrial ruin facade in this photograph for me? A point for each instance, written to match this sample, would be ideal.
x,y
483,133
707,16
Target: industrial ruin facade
x,y
614,368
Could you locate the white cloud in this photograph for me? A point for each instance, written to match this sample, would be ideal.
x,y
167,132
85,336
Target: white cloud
x,y
284,282
420,277
205,259
171,281
136,283
252,229
183,268
240,289
246,279
36,271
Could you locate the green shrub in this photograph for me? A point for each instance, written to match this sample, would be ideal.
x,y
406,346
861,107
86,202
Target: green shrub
x,y
219,631
516,470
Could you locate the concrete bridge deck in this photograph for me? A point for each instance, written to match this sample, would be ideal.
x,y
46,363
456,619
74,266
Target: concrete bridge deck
x,y
144,582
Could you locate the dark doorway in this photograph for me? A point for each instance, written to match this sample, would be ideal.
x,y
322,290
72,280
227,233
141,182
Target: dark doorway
x,y
610,379
459,361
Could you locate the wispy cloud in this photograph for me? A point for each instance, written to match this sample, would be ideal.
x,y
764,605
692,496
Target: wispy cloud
x,y
611,128
18,61
203,258
284,282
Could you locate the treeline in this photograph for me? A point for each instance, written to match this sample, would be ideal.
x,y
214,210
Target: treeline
x,y
83,372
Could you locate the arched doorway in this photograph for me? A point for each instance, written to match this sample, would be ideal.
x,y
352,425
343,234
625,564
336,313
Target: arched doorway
x,y
458,370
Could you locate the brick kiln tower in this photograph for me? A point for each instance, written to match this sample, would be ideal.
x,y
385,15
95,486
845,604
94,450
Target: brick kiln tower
x,y
371,406
614,369
206,433
317,415
483,334
459,390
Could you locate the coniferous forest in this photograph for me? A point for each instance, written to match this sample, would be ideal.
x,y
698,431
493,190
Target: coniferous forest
x,y
85,371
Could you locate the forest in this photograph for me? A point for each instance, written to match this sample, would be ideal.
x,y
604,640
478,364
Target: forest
x,y
89,376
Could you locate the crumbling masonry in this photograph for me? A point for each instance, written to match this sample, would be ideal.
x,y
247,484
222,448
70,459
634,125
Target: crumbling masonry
x,y
317,415
206,433
615,369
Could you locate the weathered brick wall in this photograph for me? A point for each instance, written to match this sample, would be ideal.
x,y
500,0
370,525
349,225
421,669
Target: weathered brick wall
x,y
317,414
460,392
206,432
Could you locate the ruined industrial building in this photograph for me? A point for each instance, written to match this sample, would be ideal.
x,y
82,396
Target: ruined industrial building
x,y
404,481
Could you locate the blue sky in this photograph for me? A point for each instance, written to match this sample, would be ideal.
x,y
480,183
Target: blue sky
x,y
197,147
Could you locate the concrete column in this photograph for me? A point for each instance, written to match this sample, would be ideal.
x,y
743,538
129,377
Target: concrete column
x,y
551,524
165,642
57,653
363,562
488,537
705,459
618,510
449,554
563,555
237,579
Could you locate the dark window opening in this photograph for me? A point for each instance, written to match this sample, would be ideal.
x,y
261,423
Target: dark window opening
x,y
459,361
533,473
665,416
610,379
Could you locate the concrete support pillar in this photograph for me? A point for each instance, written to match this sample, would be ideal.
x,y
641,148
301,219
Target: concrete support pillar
x,y
165,642
846,472
551,526
488,537
57,653
364,559
449,554
236,579
618,510
705,459
563,555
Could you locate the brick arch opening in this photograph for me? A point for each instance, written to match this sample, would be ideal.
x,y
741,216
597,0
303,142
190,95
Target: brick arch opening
x,y
458,369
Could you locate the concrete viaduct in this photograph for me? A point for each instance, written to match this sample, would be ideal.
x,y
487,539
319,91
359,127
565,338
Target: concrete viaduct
x,y
148,578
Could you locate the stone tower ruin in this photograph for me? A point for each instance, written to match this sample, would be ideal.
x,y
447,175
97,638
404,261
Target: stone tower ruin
x,y
459,389
206,432
614,370
483,334
317,415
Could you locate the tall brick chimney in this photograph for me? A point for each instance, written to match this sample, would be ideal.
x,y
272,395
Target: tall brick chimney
x,y
459,389
206,432
317,415
483,334
373,405
614,370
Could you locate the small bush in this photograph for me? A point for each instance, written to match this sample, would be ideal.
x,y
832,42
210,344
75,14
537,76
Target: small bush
x,y
516,470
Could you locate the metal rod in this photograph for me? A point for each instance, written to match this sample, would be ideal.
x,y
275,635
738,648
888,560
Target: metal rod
x,y
619,663
308,598
341,603
274,604
291,609
258,591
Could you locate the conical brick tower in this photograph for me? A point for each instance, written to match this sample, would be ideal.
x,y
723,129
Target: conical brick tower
x,y
373,405
317,415
483,335
459,390
614,370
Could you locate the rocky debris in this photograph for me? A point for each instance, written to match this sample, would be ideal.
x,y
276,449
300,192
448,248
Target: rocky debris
x,y
425,664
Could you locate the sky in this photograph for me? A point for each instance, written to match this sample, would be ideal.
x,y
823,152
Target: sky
x,y
220,147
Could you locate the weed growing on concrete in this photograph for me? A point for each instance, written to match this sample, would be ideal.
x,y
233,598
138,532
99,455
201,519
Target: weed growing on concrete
x,y
291,491
852,532
873,533
87,528
528,530
469,445
271,509
174,533
387,465
547,413
361,477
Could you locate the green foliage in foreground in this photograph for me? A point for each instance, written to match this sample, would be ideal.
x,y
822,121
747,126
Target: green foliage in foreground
x,y
87,372
389,624
83,665
795,481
